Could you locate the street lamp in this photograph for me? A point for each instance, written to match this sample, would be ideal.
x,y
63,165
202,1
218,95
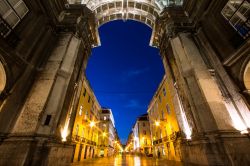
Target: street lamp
x,y
157,123
92,124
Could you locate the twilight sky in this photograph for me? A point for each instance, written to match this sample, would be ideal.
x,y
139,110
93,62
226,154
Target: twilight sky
x,y
124,72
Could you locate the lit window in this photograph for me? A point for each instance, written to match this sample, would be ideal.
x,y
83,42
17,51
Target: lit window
x,y
12,11
80,111
237,12
86,115
104,118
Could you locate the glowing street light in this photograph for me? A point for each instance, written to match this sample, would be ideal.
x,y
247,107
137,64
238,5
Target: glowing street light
x,y
157,123
92,124
64,133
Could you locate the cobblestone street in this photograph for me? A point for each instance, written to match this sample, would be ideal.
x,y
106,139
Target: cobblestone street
x,y
127,160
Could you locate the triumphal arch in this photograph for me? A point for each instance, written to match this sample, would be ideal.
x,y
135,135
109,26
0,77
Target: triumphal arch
x,y
44,49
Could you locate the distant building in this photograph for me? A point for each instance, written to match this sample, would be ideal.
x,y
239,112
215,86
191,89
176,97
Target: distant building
x,y
108,140
129,147
142,136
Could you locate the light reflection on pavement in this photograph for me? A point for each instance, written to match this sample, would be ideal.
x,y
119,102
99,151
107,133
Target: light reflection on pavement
x,y
127,160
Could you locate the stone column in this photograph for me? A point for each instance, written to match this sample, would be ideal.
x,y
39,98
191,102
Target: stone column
x,y
205,102
229,89
37,99
204,92
64,83
46,102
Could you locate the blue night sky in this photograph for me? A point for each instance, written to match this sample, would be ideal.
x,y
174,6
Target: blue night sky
x,y
125,71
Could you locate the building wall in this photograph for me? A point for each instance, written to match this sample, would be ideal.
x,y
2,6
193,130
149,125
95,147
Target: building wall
x,y
144,137
163,123
24,53
84,136
108,142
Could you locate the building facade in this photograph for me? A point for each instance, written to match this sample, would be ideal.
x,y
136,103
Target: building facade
x,y
141,136
85,132
44,49
109,137
165,131
129,147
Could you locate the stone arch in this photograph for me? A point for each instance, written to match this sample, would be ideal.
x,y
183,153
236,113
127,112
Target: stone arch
x,y
145,11
142,12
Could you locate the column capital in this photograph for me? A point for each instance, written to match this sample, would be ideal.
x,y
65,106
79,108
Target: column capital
x,y
170,22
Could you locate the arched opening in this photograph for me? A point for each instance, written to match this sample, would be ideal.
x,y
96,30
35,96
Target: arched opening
x,y
2,78
145,12
246,77
125,71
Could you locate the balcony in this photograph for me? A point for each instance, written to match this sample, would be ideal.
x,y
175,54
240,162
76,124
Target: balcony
x,y
172,137
79,139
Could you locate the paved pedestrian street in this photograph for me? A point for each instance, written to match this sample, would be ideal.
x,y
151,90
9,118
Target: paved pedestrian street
x,y
127,160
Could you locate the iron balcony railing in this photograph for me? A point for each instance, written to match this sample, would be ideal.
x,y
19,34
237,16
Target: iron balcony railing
x,y
83,140
172,137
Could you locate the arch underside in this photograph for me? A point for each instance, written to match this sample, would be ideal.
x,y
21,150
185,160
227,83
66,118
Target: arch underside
x,y
130,14
145,11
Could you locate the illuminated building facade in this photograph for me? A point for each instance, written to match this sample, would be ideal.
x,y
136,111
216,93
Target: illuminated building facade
x,y
86,132
108,140
165,131
129,148
141,136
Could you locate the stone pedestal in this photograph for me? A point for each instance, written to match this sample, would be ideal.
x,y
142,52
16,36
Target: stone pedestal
x,y
28,150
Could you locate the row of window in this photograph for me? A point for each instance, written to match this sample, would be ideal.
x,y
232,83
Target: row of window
x,y
237,12
93,108
163,111
89,98
12,12
164,94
